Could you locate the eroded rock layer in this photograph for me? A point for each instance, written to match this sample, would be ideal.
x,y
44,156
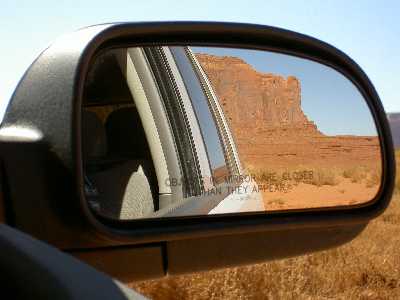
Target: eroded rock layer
x,y
269,125
257,103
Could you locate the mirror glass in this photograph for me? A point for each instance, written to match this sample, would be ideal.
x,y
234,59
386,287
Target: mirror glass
x,y
181,131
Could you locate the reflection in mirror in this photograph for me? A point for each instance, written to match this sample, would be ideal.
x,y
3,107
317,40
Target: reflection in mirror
x,y
179,131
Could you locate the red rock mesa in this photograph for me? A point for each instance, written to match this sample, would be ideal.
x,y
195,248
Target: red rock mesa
x,y
270,128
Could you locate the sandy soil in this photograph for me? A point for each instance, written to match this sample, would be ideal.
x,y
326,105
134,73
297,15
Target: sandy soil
x,y
366,268
311,196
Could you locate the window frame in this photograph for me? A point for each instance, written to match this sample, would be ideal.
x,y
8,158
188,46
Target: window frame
x,y
229,145
215,182
191,181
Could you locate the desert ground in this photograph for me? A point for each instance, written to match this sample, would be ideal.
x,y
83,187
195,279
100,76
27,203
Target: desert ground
x,y
366,268
303,195
277,142
345,170
312,187
307,183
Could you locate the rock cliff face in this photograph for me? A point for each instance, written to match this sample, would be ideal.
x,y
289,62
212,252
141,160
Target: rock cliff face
x,y
269,126
263,104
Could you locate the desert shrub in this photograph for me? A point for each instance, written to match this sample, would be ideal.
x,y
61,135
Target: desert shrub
x,y
366,268
355,174
263,175
296,175
324,177
254,171
373,179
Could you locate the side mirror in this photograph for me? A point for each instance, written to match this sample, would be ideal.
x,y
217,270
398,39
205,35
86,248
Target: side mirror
x,y
251,131
235,143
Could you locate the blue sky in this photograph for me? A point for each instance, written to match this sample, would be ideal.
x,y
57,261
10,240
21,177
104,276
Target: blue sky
x,y
327,97
368,31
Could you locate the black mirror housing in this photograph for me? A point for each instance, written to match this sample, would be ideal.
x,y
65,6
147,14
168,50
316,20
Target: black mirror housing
x,y
42,172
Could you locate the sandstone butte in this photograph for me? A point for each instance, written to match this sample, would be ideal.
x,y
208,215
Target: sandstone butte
x,y
269,126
